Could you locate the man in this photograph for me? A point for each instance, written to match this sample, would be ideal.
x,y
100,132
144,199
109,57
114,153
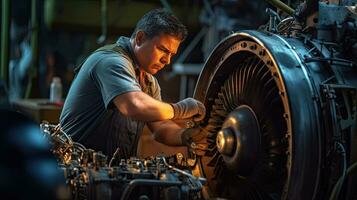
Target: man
x,y
114,93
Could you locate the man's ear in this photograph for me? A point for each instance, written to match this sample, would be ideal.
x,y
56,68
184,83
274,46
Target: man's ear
x,y
140,38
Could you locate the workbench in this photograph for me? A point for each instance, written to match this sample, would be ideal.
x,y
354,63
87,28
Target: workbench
x,y
39,109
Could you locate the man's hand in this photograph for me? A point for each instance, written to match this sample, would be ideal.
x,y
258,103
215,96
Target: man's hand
x,y
195,139
189,108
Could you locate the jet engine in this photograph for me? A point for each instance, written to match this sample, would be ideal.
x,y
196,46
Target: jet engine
x,y
281,109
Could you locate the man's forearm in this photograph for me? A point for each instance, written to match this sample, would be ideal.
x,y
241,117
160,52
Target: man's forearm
x,y
142,107
167,132
151,109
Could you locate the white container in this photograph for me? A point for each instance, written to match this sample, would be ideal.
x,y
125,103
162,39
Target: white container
x,y
56,90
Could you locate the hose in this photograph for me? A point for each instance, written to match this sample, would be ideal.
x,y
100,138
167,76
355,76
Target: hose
x,y
337,188
282,6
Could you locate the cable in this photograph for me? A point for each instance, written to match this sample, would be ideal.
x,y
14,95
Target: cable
x,y
114,156
337,188
340,181
197,180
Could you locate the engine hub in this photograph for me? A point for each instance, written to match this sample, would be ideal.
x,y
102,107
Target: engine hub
x,y
239,140
226,141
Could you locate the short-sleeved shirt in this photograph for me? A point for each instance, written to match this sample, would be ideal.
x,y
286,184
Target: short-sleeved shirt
x,y
89,114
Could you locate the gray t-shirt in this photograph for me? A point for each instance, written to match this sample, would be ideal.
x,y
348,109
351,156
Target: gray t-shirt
x,y
103,76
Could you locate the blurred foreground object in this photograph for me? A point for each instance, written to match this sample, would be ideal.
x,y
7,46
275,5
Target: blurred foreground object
x,y
28,169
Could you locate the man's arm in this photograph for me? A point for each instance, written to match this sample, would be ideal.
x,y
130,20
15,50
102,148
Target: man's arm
x,y
170,133
166,132
142,107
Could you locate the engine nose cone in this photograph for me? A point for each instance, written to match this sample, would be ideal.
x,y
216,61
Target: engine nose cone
x,y
225,141
239,140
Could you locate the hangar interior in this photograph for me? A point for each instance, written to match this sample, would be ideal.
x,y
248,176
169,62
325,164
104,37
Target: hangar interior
x,y
278,80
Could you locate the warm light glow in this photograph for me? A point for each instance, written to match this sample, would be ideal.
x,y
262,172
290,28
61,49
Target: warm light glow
x,y
220,140
233,120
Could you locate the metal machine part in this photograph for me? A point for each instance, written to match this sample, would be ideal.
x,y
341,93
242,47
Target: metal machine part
x,y
90,176
281,114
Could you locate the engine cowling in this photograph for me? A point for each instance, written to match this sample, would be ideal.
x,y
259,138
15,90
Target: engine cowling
x,y
281,112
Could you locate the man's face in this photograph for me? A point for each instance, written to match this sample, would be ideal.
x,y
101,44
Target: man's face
x,y
154,53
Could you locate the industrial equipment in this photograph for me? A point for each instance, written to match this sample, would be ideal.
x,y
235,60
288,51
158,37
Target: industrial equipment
x,y
281,106
90,175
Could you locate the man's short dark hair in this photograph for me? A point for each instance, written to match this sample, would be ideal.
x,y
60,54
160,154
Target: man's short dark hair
x,y
159,21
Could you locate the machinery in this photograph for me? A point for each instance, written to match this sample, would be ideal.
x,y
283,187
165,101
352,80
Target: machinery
x,y
89,175
281,107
